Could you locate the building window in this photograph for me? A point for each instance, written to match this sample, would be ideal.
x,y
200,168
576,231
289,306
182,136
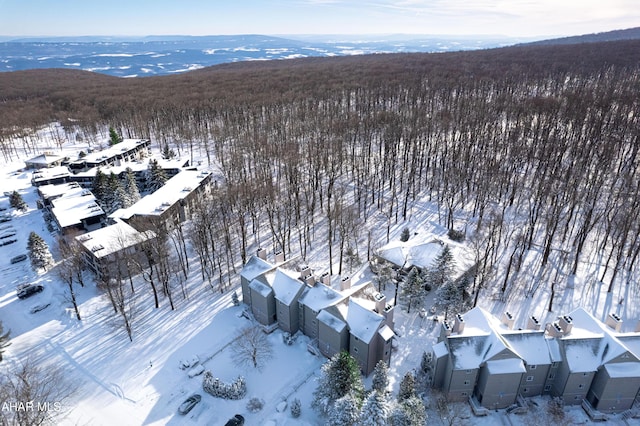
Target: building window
x,y
355,350
585,374
468,371
547,388
577,397
467,382
533,367
554,365
552,376
580,386
525,390
529,378
464,394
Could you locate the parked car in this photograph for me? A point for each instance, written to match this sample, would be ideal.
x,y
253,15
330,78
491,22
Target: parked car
x,y
29,290
189,403
19,258
237,420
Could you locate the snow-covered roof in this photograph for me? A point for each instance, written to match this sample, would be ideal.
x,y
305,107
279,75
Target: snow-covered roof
x,y
110,239
320,296
506,366
50,173
466,352
44,159
286,286
363,323
386,333
582,354
440,349
331,321
410,253
531,346
632,342
118,149
262,289
53,190
623,369
174,190
72,210
254,267
136,166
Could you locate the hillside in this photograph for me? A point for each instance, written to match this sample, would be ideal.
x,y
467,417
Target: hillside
x,y
36,97
617,35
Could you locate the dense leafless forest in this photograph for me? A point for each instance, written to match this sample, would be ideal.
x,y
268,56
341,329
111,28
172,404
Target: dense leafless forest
x,y
538,144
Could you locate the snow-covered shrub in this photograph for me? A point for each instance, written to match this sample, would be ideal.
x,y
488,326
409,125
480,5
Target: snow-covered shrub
x,y
456,235
255,404
296,408
217,388
234,299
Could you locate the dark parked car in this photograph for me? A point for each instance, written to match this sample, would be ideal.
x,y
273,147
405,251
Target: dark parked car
x,y
19,258
189,403
29,290
237,420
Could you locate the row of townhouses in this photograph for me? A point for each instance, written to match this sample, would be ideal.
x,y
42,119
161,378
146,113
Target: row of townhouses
x,y
333,312
113,245
486,360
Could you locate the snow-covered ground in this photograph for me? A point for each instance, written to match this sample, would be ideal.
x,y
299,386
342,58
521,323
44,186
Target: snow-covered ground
x,y
141,382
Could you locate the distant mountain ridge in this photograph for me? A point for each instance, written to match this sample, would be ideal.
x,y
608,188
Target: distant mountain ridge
x,y
162,55
627,34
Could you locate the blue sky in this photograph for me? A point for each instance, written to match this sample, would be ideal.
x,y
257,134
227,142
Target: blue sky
x,y
279,17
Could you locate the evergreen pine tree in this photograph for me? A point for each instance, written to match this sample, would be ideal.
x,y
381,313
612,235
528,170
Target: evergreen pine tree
x,y
115,196
410,412
441,272
380,380
413,289
340,376
407,387
296,408
156,176
449,297
4,340
131,191
344,412
114,137
99,187
234,299
375,410
39,253
16,201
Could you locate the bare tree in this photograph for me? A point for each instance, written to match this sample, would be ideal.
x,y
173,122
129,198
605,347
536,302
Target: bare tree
x,y
252,347
34,394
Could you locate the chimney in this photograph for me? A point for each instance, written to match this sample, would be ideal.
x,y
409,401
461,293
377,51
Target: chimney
x,y
555,330
458,324
507,319
305,272
388,315
279,256
614,322
533,323
345,284
310,281
566,323
262,253
445,331
381,301
326,279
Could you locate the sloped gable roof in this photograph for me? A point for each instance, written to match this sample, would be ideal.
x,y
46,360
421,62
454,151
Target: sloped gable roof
x,y
255,267
363,323
286,287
